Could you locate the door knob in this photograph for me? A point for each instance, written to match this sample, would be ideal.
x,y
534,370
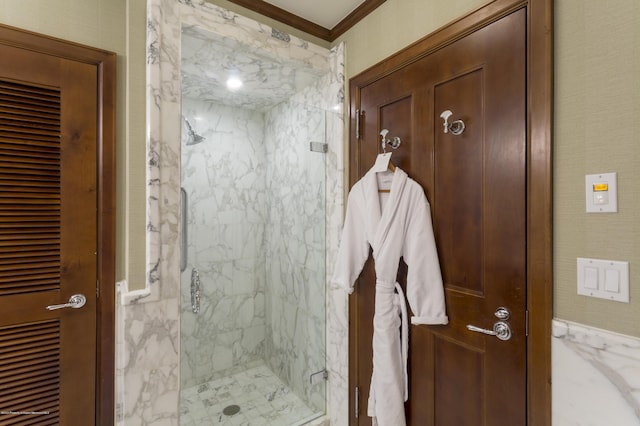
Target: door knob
x,y
502,314
500,329
76,301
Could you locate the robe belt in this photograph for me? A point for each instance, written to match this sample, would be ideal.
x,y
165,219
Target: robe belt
x,y
401,305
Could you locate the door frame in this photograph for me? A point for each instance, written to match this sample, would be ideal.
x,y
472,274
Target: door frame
x,y
105,63
539,88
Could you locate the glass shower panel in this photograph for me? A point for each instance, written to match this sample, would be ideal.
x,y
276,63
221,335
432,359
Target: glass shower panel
x,y
224,178
256,225
295,243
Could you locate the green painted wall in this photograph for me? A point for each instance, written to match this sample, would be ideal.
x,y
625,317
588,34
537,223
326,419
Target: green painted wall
x,y
118,26
597,130
396,24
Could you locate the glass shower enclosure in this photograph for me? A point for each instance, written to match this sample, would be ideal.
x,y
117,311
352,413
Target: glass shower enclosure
x,y
253,178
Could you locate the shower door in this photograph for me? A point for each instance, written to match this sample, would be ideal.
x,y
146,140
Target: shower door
x,y
253,286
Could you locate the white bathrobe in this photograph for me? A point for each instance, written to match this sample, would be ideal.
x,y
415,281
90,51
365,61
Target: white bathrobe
x,y
400,228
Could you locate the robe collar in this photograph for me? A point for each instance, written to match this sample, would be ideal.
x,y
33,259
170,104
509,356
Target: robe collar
x,y
380,220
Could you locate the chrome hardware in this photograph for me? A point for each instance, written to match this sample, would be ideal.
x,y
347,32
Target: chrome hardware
x,y
456,128
319,147
394,143
313,377
76,301
357,124
502,313
195,291
183,230
500,329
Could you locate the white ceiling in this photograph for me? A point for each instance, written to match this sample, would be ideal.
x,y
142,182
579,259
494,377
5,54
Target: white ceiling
x,y
326,13
208,59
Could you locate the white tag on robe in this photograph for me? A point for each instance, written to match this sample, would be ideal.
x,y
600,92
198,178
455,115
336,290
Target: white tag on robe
x,y
382,162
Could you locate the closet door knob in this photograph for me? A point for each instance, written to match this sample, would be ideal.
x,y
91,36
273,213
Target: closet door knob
x,y
76,301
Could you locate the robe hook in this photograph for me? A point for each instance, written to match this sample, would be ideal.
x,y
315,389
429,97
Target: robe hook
x,y
394,142
456,127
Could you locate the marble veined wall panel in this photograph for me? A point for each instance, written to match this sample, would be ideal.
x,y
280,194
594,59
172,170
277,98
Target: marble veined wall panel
x,y
596,376
224,179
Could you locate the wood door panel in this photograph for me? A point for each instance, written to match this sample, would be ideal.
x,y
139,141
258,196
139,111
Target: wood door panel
x,y
476,185
48,237
459,373
458,190
395,116
491,193
30,211
363,311
33,352
421,367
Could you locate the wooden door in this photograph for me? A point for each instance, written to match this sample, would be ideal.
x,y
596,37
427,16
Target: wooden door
x,y
52,240
476,185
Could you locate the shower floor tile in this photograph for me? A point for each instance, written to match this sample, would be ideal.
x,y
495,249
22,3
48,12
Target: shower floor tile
x,y
262,397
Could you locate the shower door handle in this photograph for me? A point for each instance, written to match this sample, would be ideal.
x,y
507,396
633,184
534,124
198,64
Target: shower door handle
x,y
183,230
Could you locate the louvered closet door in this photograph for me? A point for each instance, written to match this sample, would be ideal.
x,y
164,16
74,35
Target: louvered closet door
x,y
47,239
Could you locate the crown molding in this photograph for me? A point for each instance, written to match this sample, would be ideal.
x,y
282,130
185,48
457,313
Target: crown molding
x,y
295,21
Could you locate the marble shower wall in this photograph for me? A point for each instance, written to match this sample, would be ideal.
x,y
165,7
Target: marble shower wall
x,y
295,248
224,178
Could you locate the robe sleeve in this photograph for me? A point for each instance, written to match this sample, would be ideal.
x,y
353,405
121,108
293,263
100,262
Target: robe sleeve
x,y
354,247
425,291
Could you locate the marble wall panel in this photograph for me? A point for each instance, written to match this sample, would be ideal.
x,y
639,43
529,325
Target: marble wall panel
x,y
224,179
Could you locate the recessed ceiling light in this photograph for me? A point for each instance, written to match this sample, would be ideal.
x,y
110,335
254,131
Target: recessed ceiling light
x,y
234,83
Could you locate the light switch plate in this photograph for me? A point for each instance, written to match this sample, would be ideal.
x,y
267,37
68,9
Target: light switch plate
x,y
599,200
606,279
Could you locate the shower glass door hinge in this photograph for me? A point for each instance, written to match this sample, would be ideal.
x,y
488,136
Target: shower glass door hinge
x,y
318,376
358,115
319,147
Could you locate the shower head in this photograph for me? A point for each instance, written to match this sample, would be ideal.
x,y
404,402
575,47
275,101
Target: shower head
x,y
192,137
